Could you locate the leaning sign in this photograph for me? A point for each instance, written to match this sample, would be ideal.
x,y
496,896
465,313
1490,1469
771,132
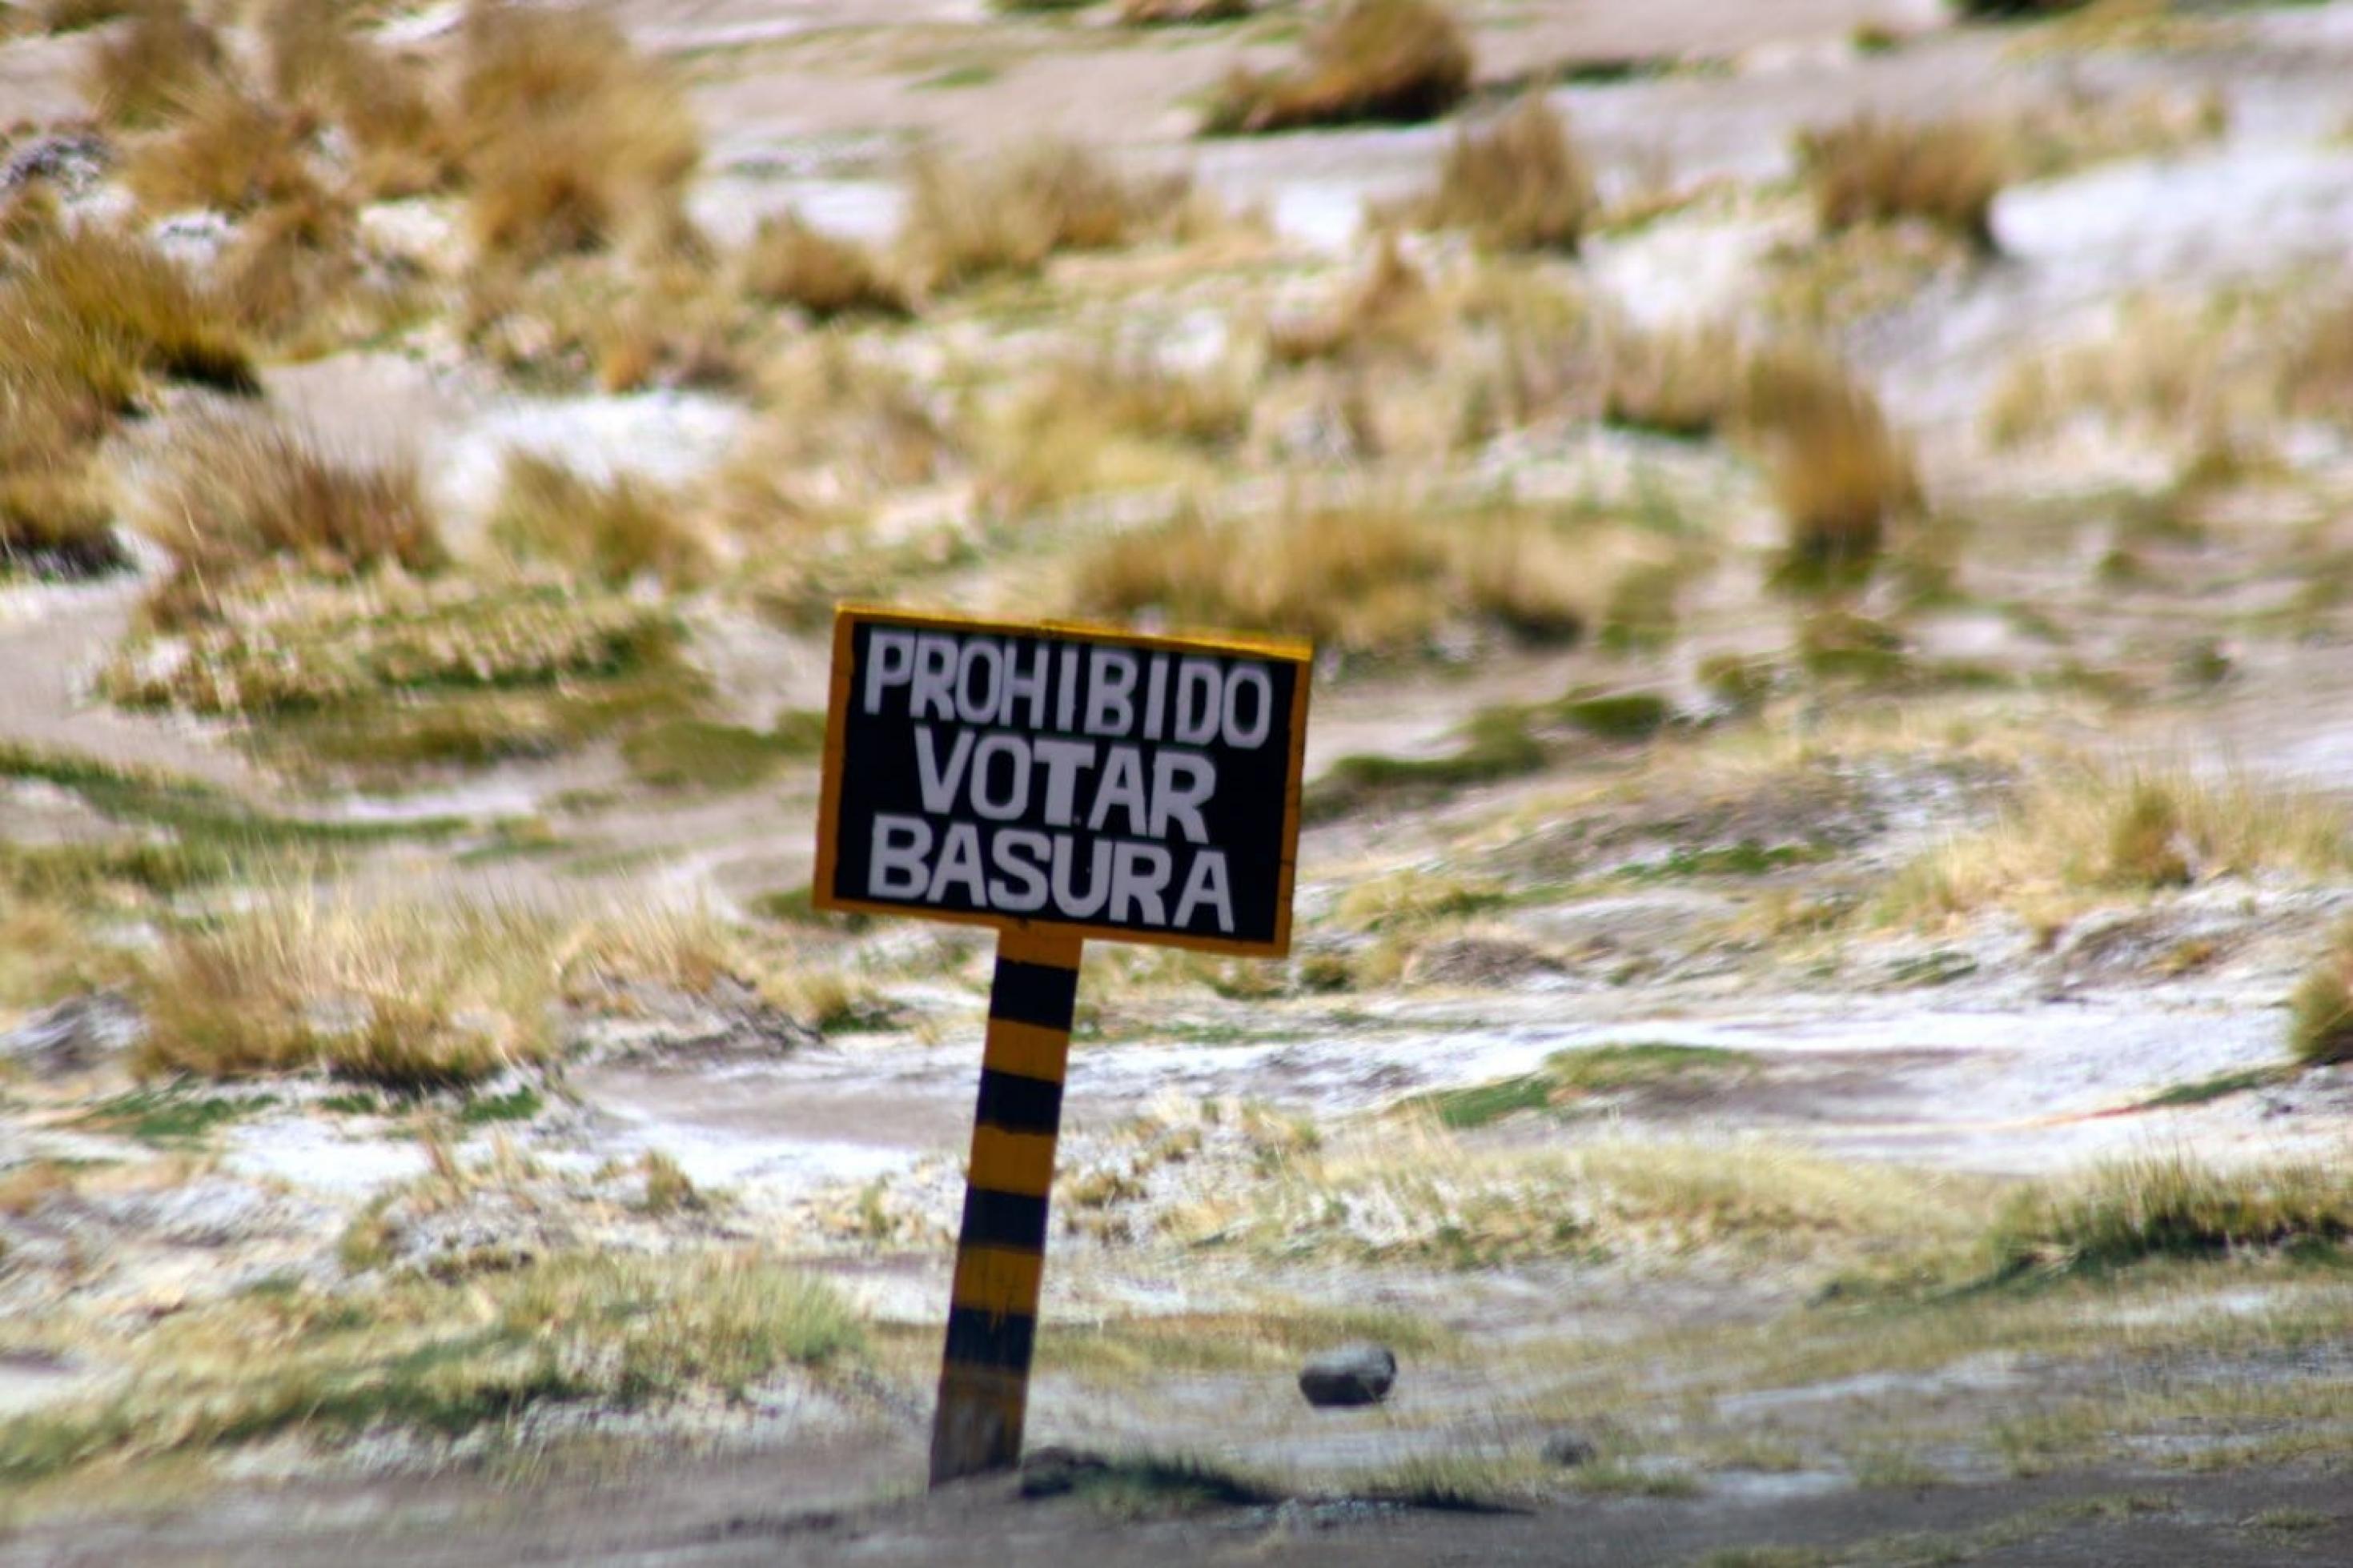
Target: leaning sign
x,y
1058,782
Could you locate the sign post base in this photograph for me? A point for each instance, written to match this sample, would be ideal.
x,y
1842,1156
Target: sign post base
x,y
1001,1249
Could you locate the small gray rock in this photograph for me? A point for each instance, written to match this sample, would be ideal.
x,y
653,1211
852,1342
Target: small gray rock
x,y
1352,1375
1568,1450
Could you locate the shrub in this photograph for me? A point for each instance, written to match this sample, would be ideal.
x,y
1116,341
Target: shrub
x,y
142,74
239,494
790,263
1521,184
571,141
616,530
1394,61
965,222
1945,173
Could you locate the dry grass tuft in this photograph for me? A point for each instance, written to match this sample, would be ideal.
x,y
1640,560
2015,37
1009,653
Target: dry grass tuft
x,y
437,1359
1417,1193
1840,474
1372,581
616,530
95,308
790,263
1689,382
240,494
422,995
1947,173
1389,61
972,220
1111,421
2320,1028
1521,184
572,142
143,74
2088,831
227,150
2170,1205
399,128
291,265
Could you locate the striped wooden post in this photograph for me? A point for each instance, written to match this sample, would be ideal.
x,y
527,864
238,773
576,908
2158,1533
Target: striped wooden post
x,y
1002,1252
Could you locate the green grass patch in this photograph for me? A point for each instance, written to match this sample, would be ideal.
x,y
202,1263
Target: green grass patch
x,y
1136,1487
1746,858
792,906
2222,1086
209,821
1496,744
699,753
519,1105
1571,1075
1621,716
173,1116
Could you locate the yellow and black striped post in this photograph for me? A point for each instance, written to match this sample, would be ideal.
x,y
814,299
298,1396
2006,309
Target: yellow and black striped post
x,y
1001,1253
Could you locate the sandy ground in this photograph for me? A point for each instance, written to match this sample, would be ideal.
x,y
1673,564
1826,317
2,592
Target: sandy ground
x,y
2030,1058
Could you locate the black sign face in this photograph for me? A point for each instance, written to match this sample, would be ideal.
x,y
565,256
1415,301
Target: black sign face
x,y
1132,788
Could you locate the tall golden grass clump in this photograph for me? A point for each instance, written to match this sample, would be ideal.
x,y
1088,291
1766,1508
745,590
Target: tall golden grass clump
x,y
140,75
1392,61
969,220
2170,1205
72,16
790,263
2089,830
109,306
616,530
2320,1026
225,150
1520,184
1840,474
290,266
414,996
572,140
1688,381
1373,581
240,494
2320,367
1111,421
399,129
86,317
1945,173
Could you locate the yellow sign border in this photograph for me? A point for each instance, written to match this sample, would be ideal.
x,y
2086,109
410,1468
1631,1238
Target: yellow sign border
x,y
845,618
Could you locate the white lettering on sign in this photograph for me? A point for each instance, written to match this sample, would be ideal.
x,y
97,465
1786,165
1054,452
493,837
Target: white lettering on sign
x,y
1074,780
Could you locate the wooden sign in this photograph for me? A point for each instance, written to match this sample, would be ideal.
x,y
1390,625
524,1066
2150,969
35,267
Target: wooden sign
x,y
1058,782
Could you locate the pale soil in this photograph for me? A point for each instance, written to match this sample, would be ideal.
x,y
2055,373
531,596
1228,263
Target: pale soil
x,y
2029,1060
